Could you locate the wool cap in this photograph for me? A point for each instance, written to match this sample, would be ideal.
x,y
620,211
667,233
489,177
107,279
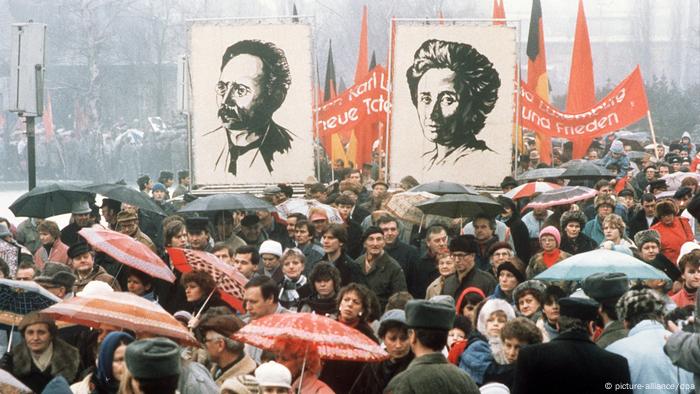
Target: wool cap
x,y
645,236
429,315
551,230
165,175
508,266
80,207
159,187
78,249
183,174
639,302
273,374
153,358
584,309
370,231
56,274
617,147
499,245
271,247
573,216
606,285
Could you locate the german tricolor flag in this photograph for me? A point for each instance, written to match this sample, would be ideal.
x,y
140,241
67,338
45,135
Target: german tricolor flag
x,y
537,72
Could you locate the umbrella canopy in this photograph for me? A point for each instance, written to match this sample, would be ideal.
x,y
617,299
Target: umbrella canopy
x,y
562,196
528,189
585,169
122,310
300,205
49,200
229,282
128,251
403,205
673,181
228,202
460,206
635,155
540,173
10,385
443,187
18,298
127,195
335,340
580,266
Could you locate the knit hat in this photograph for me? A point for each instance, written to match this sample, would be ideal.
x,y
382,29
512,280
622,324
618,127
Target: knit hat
x,y
606,285
494,388
429,315
617,147
273,374
645,236
241,384
159,187
499,245
56,274
551,230
639,302
508,266
573,216
153,358
532,284
271,247
602,199
78,249
370,231
686,248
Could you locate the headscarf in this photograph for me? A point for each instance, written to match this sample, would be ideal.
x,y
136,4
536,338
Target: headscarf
x,y
105,358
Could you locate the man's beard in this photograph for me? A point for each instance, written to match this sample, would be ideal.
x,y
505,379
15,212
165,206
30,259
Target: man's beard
x,y
234,117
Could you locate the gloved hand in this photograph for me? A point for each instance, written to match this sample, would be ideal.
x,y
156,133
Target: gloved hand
x,y
6,362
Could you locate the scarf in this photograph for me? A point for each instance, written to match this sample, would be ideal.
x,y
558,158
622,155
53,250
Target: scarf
x,y
43,360
289,291
550,258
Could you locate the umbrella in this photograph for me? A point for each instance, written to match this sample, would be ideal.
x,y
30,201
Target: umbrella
x,y
580,266
335,340
228,202
585,169
300,205
10,385
403,205
229,282
123,310
529,189
443,187
128,251
540,173
562,196
635,155
127,195
50,200
460,206
18,298
673,181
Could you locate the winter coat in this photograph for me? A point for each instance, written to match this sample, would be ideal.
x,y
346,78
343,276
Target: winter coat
x,y
432,373
408,258
648,364
65,361
349,272
435,288
638,222
482,260
425,272
312,255
340,375
683,349
57,254
553,368
594,230
376,376
98,273
244,366
613,332
474,278
28,235
476,358
581,244
521,237
674,236
310,384
195,379
537,265
320,306
384,278
683,298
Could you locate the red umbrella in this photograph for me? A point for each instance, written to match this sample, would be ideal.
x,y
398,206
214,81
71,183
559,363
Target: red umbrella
x,y
128,251
122,310
563,196
335,340
229,281
529,189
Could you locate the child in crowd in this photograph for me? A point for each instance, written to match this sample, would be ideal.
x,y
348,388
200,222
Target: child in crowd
x,y
468,301
690,269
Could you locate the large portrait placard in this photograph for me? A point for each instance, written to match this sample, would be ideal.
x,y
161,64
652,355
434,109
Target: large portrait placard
x,y
251,102
452,102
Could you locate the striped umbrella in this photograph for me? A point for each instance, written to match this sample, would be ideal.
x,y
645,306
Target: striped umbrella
x,y
529,189
122,310
562,196
128,251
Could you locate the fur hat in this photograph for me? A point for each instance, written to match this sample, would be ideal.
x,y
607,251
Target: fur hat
x,y
532,284
464,243
666,207
429,315
604,199
551,230
606,285
153,358
639,302
645,236
573,216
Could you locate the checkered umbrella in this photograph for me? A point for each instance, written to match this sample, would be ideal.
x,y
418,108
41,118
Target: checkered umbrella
x,y
18,298
229,282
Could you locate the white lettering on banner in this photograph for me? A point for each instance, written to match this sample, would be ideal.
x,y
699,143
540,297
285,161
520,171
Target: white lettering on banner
x,y
591,127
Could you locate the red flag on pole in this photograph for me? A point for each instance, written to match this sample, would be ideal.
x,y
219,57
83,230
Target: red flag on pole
x,y
363,52
537,72
581,94
499,12
47,118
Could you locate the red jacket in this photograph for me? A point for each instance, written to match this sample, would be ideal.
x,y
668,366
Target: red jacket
x,y
683,298
673,236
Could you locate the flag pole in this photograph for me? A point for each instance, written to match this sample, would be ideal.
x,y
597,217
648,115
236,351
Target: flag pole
x,y
653,135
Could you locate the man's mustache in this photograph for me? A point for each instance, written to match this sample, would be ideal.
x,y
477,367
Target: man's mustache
x,y
229,112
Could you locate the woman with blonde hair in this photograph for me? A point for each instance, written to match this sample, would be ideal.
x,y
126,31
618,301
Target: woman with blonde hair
x,y
614,231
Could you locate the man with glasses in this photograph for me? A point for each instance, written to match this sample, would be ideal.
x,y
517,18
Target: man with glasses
x,y
463,250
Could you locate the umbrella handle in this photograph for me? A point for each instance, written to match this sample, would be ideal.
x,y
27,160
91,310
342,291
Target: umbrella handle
x,y
303,366
205,303
9,340
121,265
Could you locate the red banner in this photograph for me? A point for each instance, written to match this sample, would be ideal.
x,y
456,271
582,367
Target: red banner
x,y
365,102
624,105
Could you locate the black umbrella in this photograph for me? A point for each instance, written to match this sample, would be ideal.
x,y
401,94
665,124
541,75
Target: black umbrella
x,y
586,170
540,173
228,202
461,206
50,200
443,187
127,195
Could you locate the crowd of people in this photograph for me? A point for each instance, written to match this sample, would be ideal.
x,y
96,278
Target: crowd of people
x,y
456,307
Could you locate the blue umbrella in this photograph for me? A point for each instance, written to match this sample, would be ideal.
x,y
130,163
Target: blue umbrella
x,y
580,266
18,298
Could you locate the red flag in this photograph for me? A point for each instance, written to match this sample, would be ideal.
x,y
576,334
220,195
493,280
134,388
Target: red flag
x,y
47,118
499,12
537,72
363,52
581,93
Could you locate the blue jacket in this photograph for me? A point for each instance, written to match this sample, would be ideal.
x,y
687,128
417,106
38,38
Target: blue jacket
x,y
649,365
476,358
594,230
622,162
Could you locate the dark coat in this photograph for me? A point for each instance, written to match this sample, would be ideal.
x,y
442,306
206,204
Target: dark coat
x,y
615,331
349,271
582,243
341,375
408,258
424,274
65,361
359,214
638,222
474,278
376,376
70,236
384,279
569,363
354,245
521,237
482,253
433,374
